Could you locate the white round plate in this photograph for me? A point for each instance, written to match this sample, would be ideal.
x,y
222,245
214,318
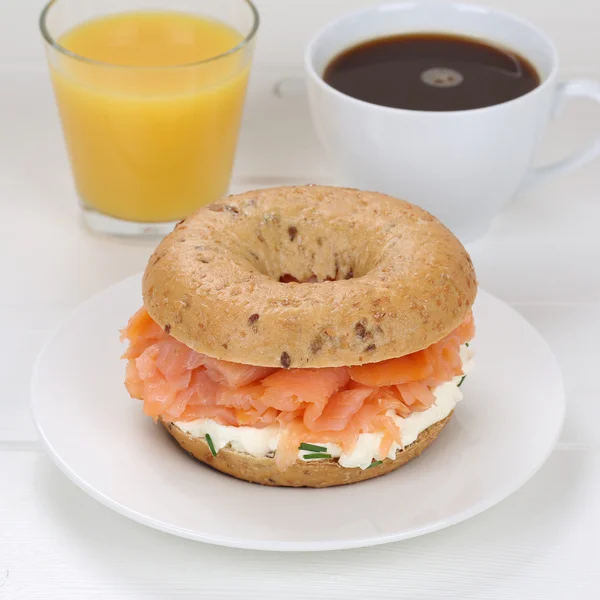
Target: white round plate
x,y
102,441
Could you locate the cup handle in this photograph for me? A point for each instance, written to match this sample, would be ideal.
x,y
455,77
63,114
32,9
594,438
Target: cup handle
x,y
574,88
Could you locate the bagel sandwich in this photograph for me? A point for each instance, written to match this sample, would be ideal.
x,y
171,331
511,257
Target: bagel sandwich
x,y
304,336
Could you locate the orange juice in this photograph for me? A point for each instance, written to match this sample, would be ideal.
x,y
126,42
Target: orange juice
x,y
151,123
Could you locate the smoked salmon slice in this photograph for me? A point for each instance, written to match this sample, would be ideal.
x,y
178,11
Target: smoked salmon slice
x,y
241,398
339,409
139,331
412,367
415,391
234,375
289,389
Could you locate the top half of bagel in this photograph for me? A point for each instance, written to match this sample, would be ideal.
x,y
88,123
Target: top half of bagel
x,y
385,278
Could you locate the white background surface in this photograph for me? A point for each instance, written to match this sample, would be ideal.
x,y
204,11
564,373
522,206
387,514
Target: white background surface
x,y
542,255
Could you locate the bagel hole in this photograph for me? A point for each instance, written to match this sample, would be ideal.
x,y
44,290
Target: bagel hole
x,y
300,251
287,278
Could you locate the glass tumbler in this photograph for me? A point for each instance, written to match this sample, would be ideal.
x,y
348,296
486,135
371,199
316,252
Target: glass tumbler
x,y
150,95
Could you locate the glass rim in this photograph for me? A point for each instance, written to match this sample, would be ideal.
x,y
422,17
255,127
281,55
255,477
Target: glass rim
x,y
99,63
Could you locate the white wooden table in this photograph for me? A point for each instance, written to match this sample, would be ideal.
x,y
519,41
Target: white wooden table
x,y
542,256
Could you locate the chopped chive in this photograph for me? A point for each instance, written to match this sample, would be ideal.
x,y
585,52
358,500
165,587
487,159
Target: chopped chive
x,y
210,444
312,447
375,463
467,344
316,455
460,382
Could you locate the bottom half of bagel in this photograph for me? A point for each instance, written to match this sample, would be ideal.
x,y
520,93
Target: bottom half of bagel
x,y
315,474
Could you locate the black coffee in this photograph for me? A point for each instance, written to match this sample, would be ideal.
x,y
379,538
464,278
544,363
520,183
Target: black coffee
x,y
431,71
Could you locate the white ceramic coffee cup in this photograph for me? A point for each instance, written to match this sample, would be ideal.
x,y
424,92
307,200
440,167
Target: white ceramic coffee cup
x,y
462,166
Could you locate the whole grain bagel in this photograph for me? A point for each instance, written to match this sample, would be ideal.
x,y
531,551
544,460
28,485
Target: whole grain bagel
x,y
316,474
390,278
